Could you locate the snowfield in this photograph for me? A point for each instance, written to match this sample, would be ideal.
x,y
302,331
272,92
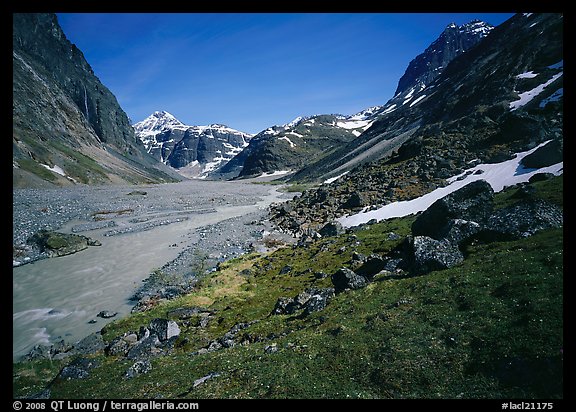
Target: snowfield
x,y
499,175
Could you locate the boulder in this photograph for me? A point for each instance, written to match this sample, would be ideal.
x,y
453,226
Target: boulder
x,y
332,229
459,231
319,299
58,244
431,254
524,219
106,314
164,328
547,155
310,300
372,265
473,202
122,344
90,344
356,200
539,177
345,278
78,369
138,368
145,348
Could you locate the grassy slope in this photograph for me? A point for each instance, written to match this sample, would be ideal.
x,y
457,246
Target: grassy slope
x,y
491,327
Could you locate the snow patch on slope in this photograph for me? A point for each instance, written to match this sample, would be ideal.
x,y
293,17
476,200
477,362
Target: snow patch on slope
x,y
498,175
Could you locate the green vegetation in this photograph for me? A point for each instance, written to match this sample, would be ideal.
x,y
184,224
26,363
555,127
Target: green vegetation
x,y
79,166
37,169
491,327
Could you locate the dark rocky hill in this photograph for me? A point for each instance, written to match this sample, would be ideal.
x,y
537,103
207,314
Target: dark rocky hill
x,y
67,126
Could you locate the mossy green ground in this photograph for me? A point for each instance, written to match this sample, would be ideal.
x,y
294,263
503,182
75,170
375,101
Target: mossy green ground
x,y
491,327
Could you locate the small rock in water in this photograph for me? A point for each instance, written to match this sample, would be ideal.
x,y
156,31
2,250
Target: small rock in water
x,y
92,321
106,314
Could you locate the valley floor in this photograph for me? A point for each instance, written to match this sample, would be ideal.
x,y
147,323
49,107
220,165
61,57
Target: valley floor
x,y
176,227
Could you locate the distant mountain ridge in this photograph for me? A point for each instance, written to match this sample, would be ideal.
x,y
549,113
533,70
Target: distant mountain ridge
x,y
291,146
194,151
68,128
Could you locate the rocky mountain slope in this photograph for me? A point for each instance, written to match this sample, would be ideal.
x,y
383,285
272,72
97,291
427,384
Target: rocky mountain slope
x,y
499,98
312,139
194,151
68,127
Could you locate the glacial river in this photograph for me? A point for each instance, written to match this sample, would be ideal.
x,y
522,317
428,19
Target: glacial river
x,y
55,298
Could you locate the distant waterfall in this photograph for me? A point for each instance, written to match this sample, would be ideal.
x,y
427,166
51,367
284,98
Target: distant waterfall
x,y
86,105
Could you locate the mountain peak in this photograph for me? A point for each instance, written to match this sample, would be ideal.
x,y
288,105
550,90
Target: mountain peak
x,y
452,42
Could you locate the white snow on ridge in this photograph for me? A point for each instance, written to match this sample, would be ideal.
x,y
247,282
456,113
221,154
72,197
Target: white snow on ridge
x,y
333,179
390,109
288,140
527,75
498,175
56,169
295,134
356,133
276,173
417,100
526,97
354,124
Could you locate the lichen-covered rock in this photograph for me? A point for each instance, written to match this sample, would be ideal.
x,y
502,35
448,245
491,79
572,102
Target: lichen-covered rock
x,y
164,328
345,278
78,369
473,202
431,254
59,244
310,300
138,368
524,219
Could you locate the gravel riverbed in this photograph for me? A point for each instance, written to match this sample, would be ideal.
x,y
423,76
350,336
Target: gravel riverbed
x,y
176,228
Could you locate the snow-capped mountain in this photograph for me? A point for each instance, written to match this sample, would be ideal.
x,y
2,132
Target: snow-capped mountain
x,y
194,151
452,42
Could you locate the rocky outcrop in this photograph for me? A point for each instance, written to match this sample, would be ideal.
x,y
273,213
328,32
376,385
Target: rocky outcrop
x,y
345,279
54,244
78,369
310,300
156,339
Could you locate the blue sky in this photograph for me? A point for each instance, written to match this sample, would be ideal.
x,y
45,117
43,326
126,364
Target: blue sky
x,y
254,70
